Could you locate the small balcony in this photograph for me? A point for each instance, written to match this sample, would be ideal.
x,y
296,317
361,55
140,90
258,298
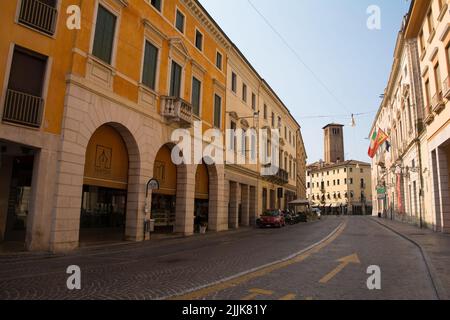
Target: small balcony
x,y
438,102
429,116
22,108
281,177
177,110
38,15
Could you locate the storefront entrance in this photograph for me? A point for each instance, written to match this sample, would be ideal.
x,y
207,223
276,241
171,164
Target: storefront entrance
x,y
103,214
104,197
17,197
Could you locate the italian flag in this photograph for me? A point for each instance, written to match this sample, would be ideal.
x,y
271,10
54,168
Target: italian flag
x,y
378,138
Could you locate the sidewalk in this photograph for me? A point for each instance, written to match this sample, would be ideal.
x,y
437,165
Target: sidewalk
x,y
435,248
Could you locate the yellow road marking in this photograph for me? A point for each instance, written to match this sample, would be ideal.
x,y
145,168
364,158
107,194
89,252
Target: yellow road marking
x,y
287,297
204,292
257,292
344,263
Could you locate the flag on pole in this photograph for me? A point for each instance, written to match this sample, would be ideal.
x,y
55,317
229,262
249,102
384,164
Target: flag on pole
x,y
378,138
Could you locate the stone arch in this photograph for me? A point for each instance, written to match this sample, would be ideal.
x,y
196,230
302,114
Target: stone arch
x,y
217,217
182,194
85,112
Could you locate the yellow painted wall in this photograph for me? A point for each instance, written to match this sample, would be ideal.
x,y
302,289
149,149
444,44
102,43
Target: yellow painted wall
x,y
69,49
202,182
58,48
130,50
165,172
106,160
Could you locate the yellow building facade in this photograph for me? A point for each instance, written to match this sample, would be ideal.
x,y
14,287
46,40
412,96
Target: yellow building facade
x,y
96,125
96,96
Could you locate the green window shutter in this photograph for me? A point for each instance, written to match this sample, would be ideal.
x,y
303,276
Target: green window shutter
x,y
150,65
104,35
175,82
217,111
196,91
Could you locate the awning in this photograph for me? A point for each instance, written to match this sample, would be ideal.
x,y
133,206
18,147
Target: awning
x,y
300,202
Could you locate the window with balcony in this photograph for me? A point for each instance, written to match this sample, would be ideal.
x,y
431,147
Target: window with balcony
x,y
23,102
104,35
217,111
175,80
196,95
150,65
39,14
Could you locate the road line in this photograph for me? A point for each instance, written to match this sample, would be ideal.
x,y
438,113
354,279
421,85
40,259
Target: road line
x,y
255,293
288,297
344,262
233,281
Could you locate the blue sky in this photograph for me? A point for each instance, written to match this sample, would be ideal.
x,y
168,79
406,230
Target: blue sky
x,y
332,38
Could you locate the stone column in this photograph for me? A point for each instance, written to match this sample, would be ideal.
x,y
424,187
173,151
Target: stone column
x,y
184,220
253,206
443,189
5,183
42,201
245,222
233,222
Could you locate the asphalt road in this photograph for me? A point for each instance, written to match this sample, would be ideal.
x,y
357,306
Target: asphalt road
x,y
304,261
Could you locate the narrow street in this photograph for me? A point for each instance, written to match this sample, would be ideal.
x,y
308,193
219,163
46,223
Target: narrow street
x,y
326,259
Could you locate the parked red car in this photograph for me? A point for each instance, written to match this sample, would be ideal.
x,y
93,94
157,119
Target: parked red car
x,y
272,218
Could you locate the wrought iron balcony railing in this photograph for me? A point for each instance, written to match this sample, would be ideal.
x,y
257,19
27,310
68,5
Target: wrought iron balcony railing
x,y
23,108
38,15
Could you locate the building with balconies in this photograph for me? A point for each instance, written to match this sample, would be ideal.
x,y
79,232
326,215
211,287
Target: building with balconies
x,y
87,116
429,25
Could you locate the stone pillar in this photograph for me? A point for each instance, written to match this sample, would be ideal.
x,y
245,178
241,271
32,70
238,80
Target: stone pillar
x,y
245,218
184,220
233,215
42,200
5,183
443,189
218,215
253,206
435,191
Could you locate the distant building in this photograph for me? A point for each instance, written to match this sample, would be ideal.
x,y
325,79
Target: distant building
x,y
334,143
343,187
335,185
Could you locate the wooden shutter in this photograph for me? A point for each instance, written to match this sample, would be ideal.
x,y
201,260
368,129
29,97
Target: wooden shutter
x,y
175,82
104,35
196,88
217,110
150,64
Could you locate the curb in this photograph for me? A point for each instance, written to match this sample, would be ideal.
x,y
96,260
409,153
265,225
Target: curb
x,y
440,292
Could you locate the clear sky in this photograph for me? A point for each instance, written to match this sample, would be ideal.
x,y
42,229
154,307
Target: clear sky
x,y
331,37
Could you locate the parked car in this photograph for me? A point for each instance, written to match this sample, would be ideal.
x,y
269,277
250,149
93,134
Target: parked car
x,y
272,218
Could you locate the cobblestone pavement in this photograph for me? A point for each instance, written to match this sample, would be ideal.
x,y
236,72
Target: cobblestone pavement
x,y
155,270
